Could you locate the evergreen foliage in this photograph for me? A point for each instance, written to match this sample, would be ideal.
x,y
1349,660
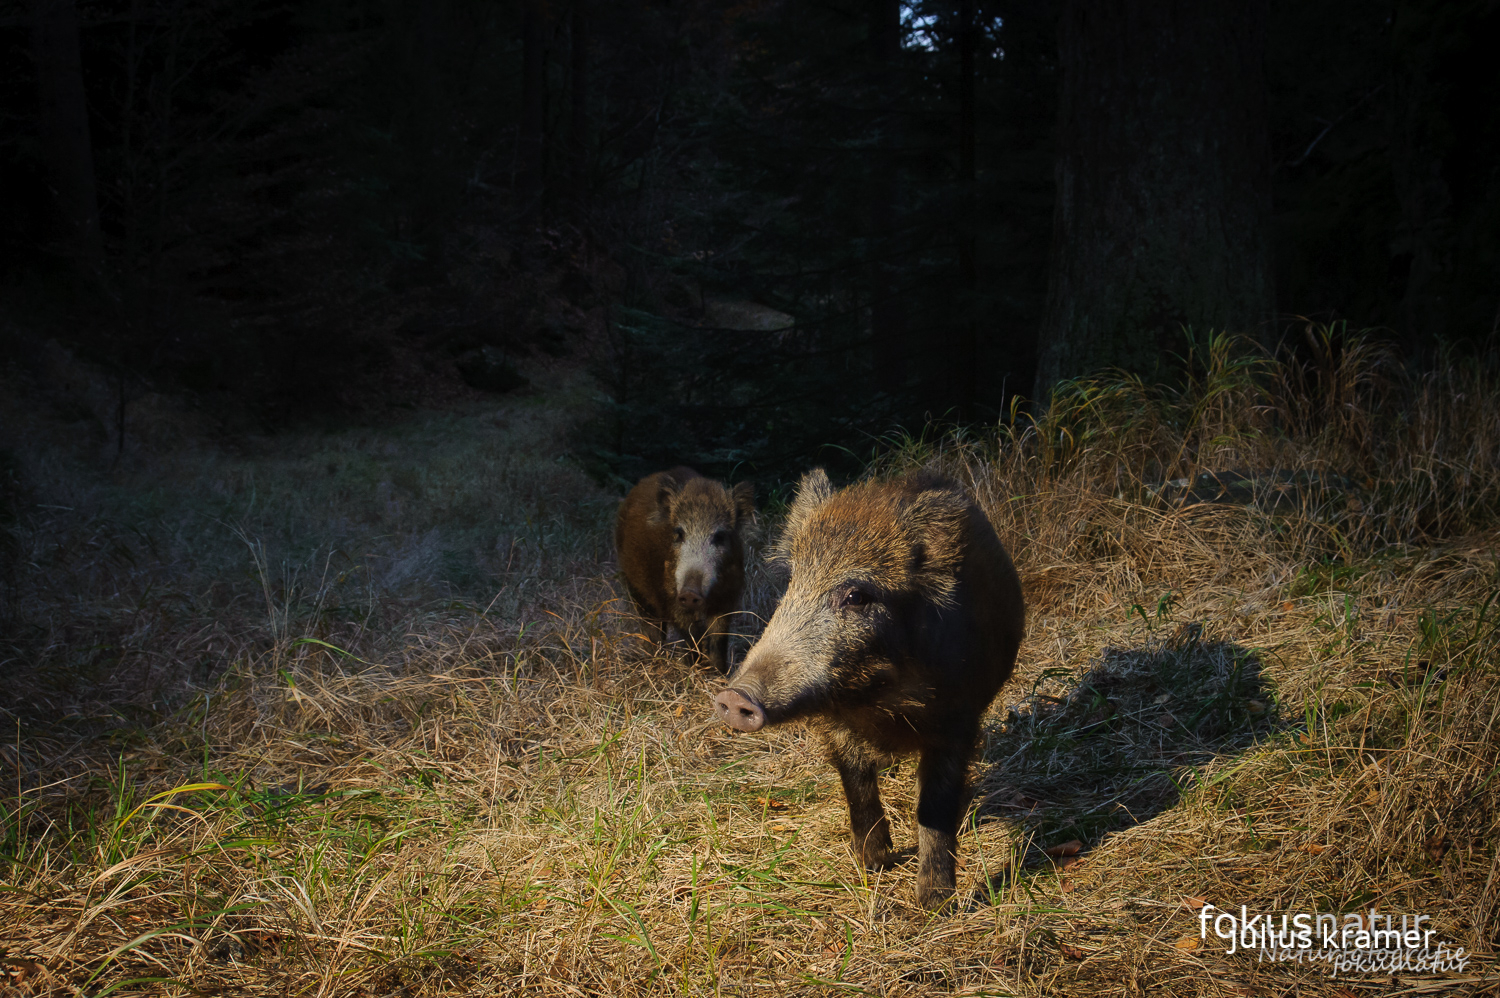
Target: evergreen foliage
x,y
788,157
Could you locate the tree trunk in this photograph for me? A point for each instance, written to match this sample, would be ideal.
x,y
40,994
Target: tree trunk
x,y
579,54
1163,206
1420,138
533,138
63,128
968,267
887,319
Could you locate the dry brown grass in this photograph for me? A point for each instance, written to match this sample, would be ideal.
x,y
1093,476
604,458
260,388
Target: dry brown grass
x,y
1286,700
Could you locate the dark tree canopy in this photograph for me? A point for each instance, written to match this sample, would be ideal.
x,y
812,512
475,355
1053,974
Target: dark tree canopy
x,y
333,205
1386,126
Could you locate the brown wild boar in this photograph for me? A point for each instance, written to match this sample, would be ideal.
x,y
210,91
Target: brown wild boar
x,y
900,622
681,541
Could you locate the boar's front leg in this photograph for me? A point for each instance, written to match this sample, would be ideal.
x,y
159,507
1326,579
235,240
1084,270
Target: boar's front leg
x,y
940,804
718,644
711,640
653,627
869,832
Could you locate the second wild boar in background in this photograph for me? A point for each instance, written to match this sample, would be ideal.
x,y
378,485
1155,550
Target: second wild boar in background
x,y
900,623
681,542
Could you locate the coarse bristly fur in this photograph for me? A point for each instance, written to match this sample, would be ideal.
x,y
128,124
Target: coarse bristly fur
x,y
900,623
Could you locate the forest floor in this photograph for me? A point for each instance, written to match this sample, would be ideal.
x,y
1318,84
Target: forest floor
x,y
360,711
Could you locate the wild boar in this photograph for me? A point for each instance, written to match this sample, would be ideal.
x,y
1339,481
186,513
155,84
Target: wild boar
x,y
900,623
681,541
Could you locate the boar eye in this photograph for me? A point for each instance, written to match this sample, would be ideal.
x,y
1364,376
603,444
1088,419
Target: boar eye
x,y
678,534
856,597
721,537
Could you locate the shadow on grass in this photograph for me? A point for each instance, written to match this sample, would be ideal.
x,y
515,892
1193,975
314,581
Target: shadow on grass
x,y
1121,745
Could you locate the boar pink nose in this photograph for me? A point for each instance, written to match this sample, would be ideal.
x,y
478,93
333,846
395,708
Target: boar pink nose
x,y
689,599
739,711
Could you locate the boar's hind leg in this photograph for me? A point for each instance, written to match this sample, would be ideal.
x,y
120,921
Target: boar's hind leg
x,y
940,805
870,833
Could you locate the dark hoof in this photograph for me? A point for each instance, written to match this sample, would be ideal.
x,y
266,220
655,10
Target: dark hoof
x,y
939,900
874,857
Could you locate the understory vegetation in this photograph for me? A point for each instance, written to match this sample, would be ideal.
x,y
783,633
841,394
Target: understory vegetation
x,y
364,713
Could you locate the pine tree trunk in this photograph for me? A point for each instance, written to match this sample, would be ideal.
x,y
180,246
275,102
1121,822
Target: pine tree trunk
x,y
579,54
967,367
1162,215
63,127
887,317
533,137
1419,140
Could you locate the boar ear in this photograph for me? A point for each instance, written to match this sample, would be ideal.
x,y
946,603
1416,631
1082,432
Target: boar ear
x,y
813,491
666,495
938,522
742,496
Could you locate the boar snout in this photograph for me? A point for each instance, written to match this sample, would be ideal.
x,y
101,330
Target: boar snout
x,y
739,711
696,576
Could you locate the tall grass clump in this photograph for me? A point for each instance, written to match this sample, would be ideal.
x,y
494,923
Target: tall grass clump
x,y
1367,453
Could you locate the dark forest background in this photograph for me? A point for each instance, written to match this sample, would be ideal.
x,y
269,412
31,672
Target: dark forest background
x,y
772,229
